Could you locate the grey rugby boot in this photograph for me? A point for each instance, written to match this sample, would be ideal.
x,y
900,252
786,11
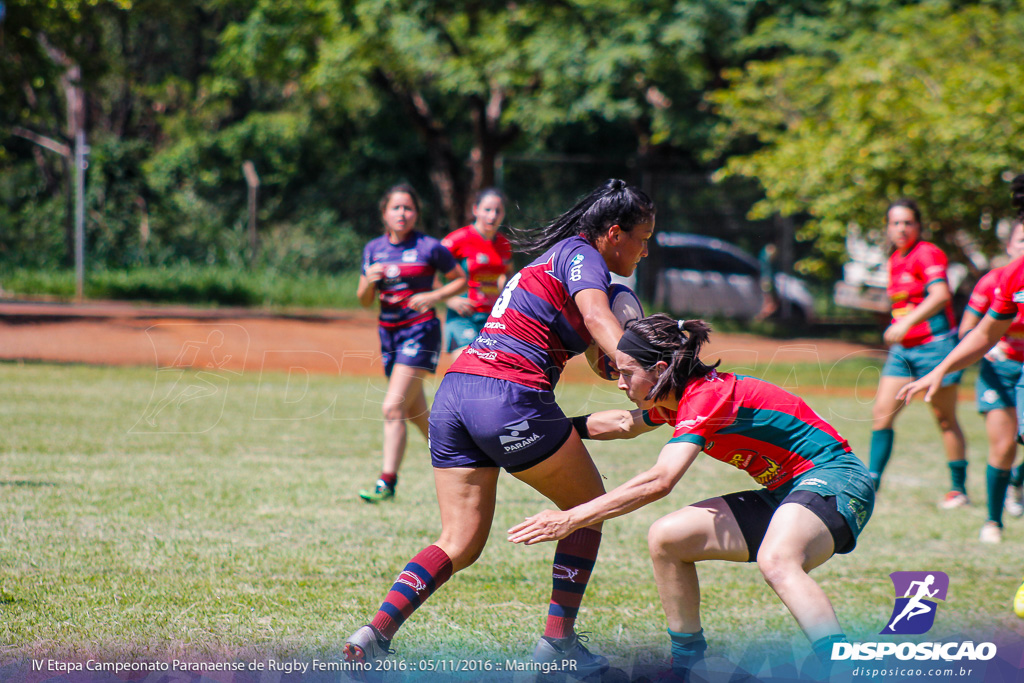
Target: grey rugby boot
x,y
366,646
568,656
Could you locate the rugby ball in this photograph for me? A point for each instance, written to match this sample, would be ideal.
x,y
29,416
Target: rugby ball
x,y
625,306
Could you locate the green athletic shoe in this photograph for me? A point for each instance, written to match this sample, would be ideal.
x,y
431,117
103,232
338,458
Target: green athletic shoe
x,y
378,494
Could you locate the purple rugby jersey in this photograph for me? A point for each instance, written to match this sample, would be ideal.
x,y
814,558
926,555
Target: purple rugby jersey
x,y
409,268
535,326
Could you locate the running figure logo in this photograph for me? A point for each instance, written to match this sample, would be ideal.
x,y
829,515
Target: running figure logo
x,y
916,596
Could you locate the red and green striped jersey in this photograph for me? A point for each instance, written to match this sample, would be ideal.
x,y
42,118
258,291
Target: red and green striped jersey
x,y
754,426
910,274
1008,300
484,261
984,294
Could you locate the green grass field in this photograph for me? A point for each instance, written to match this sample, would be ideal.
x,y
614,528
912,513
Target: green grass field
x,y
224,524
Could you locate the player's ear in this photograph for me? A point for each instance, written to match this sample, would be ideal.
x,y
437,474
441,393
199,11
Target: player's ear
x,y
614,233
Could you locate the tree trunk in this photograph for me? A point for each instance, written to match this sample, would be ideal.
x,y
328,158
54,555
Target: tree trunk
x,y
488,141
444,166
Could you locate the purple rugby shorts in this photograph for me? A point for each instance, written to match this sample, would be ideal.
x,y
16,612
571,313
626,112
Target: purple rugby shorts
x,y
485,422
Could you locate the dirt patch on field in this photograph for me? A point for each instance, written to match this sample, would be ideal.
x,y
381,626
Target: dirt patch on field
x,y
242,340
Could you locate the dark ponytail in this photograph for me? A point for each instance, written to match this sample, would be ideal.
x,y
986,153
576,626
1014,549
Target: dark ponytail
x,y
678,343
614,203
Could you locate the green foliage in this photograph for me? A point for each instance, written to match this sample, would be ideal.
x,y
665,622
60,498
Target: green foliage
x,y
206,285
922,105
335,101
31,219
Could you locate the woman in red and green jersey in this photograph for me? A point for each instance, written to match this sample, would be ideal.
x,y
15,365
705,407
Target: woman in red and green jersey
x,y
486,256
815,496
922,332
1007,304
995,392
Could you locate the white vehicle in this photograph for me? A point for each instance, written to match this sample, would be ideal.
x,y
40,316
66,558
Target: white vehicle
x,y
866,275
705,276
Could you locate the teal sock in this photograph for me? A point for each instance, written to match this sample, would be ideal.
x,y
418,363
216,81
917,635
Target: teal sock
x,y
998,480
822,647
687,650
1017,476
881,449
958,476
819,667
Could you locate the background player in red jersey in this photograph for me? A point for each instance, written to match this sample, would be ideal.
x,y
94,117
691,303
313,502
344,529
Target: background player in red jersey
x,y
1007,303
496,409
922,332
995,390
816,499
398,270
486,256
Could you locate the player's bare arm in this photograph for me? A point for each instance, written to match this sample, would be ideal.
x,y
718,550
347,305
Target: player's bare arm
x,y
970,350
937,298
598,317
644,488
617,424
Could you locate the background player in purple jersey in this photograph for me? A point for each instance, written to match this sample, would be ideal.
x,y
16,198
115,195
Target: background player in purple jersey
x,y
816,499
398,270
496,409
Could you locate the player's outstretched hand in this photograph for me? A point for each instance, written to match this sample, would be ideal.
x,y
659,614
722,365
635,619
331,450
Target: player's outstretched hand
x,y
929,384
549,525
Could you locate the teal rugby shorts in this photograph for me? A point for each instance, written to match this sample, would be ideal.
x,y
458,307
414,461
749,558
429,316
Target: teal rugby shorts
x,y
918,361
996,386
460,331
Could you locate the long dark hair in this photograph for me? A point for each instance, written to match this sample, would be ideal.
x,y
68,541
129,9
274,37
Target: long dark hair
x,y
614,203
679,343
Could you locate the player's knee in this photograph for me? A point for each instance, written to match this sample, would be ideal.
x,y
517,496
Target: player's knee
x,y
1002,452
393,411
656,539
947,423
882,417
663,542
775,567
462,555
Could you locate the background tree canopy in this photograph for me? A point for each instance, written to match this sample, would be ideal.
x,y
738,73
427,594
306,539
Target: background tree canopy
x,y
923,103
831,107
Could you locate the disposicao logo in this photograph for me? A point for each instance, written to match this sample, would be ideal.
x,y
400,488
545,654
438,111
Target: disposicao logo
x,y
917,597
917,594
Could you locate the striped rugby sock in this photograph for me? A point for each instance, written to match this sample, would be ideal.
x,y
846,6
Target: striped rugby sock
x,y
421,577
574,560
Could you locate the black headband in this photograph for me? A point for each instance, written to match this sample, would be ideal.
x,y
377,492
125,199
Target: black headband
x,y
632,344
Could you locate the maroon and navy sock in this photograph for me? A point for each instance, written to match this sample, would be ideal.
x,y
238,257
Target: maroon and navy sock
x,y
390,479
574,560
421,577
